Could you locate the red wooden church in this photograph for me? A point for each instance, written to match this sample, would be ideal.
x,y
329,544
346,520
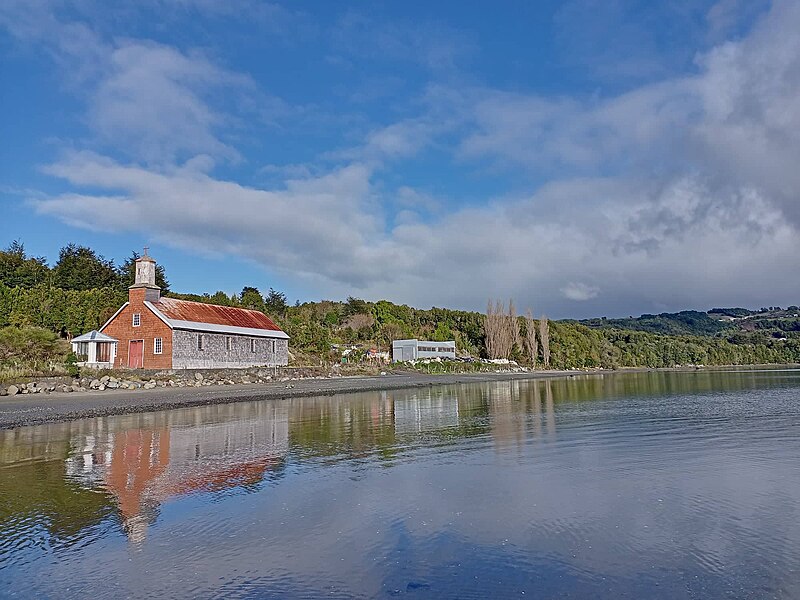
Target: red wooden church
x,y
153,332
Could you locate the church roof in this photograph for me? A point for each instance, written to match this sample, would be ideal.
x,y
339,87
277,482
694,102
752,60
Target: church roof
x,y
185,314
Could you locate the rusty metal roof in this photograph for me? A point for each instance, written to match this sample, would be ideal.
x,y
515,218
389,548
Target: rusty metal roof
x,y
213,314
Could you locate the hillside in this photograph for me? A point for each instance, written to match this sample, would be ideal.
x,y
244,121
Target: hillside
x,y
62,303
774,321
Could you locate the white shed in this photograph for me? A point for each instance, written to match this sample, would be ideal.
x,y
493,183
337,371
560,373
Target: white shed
x,y
95,349
403,350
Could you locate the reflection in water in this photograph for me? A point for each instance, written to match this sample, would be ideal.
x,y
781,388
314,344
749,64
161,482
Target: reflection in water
x,y
574,486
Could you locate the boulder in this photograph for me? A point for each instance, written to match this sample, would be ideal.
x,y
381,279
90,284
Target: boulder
x,y
3,391
101,387
94,384
104,379
198,376
112,384
12,390
76,387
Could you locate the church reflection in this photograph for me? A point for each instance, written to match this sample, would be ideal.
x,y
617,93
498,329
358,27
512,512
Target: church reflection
x,y
138,462
143,467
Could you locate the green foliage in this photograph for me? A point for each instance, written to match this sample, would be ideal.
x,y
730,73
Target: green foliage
x,y
67,312
275,303
81,268
31,350
687,322
17,269
251,298
72,365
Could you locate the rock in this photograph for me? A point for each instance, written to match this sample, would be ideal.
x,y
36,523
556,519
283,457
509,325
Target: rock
x,y
31,386
76,387
94,384
149,385
12,390
198,376
104,379
66,388
3,391
112,384
101,387
246,379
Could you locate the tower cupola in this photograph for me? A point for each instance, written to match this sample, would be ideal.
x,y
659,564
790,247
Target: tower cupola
x,y
146,277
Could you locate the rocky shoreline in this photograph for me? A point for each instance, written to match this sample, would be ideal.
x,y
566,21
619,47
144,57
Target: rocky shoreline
x,y
112,382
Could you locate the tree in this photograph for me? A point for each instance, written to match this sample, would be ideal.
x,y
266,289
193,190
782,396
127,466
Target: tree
x,y
251,298
355,306
499,330
544,336
127,273
17,269
531,343
81,268
512,325
275,302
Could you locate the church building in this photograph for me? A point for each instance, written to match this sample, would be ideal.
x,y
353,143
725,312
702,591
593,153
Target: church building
x,y
152,332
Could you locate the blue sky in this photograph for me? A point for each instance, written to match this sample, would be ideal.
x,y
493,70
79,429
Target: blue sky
x,y
585,158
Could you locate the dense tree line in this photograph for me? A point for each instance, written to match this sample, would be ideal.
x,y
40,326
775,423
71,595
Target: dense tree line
x,y
68,300
77,268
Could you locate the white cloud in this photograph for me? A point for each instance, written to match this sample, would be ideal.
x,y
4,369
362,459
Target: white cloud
x,y
580,292
676,194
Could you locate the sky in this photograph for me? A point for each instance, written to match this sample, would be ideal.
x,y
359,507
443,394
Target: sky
x,y
586,158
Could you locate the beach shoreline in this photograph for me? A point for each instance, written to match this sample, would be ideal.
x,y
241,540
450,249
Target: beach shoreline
x,y
24,410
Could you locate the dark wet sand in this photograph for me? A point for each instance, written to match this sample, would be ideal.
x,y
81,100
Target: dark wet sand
x,y
33,409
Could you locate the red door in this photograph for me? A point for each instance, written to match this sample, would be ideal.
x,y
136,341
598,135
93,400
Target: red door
x,y
136,354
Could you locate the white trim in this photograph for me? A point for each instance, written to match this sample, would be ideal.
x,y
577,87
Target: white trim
x,y
213,328
136,317
156,349
114,316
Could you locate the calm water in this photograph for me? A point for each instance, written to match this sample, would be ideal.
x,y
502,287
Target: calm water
x,y
629,485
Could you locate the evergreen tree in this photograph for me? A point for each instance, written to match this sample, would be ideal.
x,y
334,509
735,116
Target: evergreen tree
x,y
251,298
275,303
17,269
81,268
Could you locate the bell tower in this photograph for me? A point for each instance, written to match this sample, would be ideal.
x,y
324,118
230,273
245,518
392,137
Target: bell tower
x,y
145,279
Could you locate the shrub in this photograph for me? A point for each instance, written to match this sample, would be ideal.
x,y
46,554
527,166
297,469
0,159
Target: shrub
x,y
31,351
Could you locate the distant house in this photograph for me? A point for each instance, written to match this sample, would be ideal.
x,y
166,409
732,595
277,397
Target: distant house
x,y
165,333
403,350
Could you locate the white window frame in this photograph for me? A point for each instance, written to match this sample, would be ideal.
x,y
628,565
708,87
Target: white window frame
x,y
158,345
201,342
229,343
136,320
273,346
252,345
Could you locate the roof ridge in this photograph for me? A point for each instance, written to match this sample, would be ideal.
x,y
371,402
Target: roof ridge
x,y
212,304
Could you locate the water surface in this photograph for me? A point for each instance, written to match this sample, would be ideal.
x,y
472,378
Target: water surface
x,y
657,485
